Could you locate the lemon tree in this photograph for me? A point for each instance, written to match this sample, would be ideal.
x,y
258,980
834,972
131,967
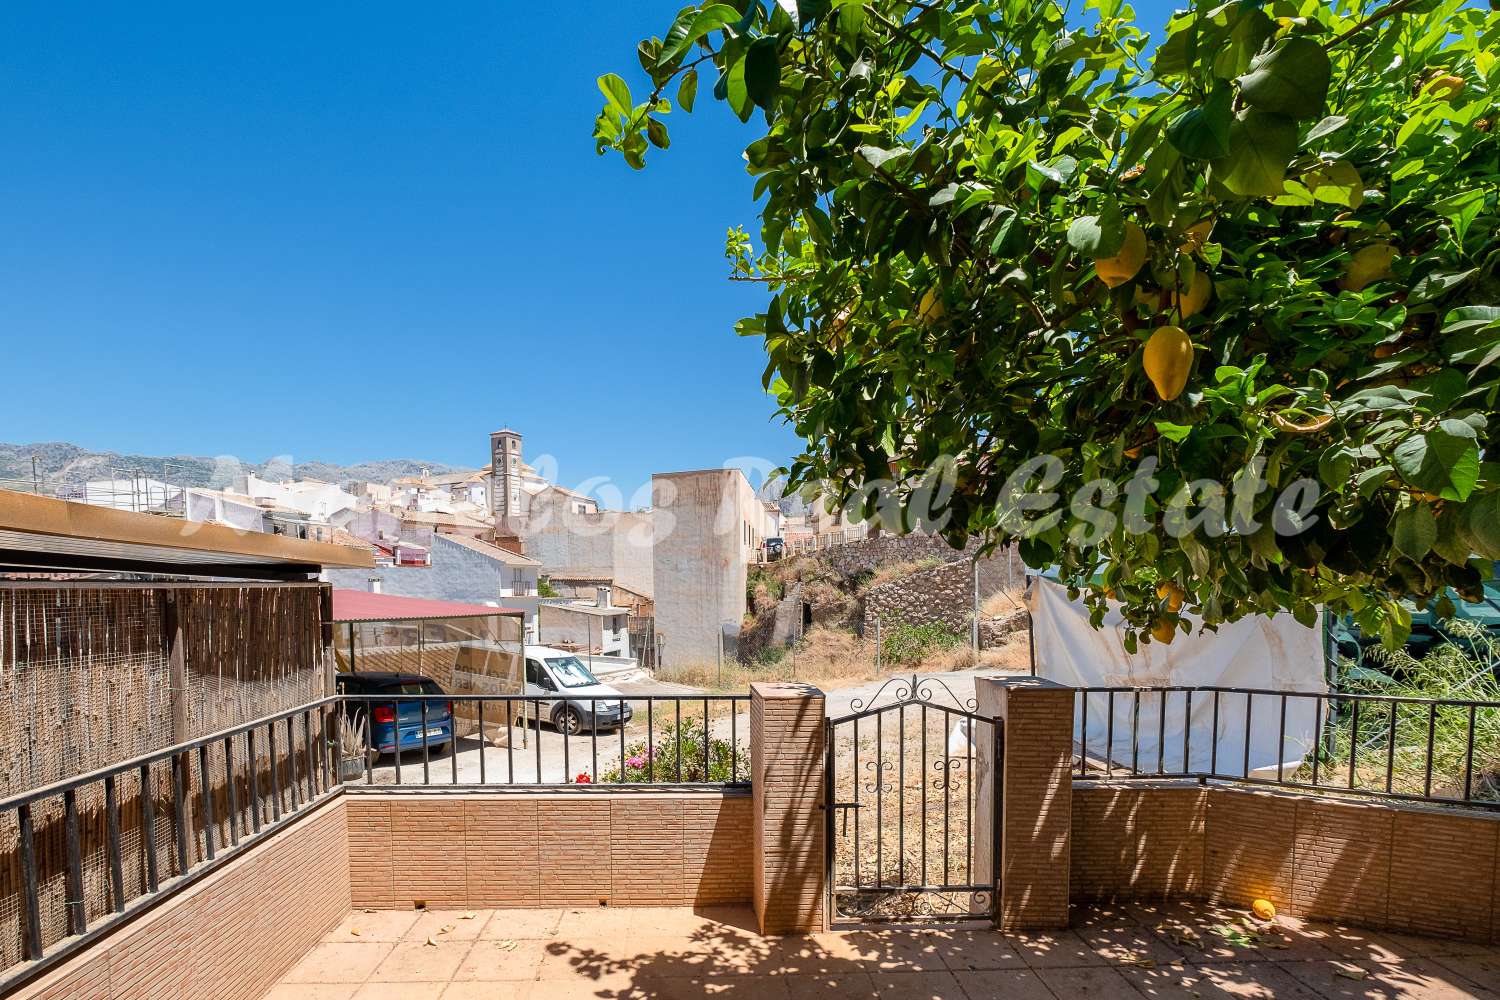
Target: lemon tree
x,y
1260,246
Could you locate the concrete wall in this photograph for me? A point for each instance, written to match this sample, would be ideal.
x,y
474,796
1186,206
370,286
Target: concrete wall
x,y
631,849
1412,869
708,527
608,545
233,934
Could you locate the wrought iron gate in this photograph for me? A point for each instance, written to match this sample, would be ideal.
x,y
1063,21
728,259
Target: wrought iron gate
x,y
912,806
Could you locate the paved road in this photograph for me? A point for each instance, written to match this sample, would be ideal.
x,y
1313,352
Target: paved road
x,y
562,759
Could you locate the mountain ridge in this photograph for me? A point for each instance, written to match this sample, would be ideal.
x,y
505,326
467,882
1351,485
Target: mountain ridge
x,y
62,462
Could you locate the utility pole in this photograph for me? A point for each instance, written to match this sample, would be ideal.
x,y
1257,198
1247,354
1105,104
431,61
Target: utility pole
x,y
974,627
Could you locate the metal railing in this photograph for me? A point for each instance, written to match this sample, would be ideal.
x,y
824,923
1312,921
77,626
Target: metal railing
x,y
625,742
91,851
162,491
1444,751
154,824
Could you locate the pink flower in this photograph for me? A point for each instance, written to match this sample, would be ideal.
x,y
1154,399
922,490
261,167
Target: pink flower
x,y
636,762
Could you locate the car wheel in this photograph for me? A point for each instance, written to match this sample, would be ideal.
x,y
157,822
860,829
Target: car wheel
x,y
569,721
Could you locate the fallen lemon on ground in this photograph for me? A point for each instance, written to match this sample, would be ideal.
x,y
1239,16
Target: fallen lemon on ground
x,y
1115,271
1168,357
1263,908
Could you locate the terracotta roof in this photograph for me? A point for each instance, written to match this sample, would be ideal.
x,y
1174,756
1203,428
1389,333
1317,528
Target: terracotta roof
x,y
363,606
493,551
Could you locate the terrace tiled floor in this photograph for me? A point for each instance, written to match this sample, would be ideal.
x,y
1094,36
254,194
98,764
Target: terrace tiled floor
x,y
1136,951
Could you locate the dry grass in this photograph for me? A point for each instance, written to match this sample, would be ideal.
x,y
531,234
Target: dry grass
x,y
832,658
1002,603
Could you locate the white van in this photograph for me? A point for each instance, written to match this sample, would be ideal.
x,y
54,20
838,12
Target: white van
x,y
572,697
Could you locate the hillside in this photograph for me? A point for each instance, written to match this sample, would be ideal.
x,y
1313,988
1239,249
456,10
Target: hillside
x,y
61,462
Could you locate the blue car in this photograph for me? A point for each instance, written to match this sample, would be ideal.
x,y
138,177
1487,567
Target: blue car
x,y
390,732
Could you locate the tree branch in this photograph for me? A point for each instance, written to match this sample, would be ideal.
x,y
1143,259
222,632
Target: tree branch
x,y
1379,15
901,30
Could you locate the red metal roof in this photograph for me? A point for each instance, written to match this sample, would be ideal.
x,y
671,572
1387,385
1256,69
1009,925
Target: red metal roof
x,y
363,606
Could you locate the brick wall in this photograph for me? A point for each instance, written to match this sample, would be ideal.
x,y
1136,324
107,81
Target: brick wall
x,y
230,936
787,736
472,851
1413,869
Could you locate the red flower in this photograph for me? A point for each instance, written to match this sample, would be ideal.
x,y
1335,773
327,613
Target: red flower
x,y
583,779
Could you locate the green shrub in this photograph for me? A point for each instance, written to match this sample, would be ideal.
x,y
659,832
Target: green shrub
x,y
682,746
905,644
1463,670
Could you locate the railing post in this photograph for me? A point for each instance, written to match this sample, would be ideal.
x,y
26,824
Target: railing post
x,y
787,754
1031,789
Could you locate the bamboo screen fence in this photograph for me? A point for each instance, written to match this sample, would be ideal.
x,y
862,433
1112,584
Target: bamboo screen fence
x,y
86,681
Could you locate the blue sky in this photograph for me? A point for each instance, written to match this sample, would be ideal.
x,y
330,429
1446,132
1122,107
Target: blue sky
x,y
347,231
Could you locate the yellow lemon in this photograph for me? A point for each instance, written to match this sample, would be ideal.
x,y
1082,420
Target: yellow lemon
x,y
1263,908
931,306
1447,86
1164,631
1115,271
1369,263
1167,359
1196,235
1172,594
1191,302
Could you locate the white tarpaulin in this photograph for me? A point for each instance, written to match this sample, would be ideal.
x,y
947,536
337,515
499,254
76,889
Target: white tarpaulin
x,y
1266,654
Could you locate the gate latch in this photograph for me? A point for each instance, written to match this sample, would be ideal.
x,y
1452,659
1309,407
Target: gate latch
x,y
844,808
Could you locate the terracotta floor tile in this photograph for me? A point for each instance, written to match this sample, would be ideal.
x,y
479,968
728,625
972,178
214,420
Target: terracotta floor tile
x,y
1059,949
485,991
1127,943
1258,981
1413,979
501,961
521,925
312,991
696,987
400,991
339,962
968,951
449,925
849,985
1482,969
419,962
381,925
917,986
1096,982
1003,984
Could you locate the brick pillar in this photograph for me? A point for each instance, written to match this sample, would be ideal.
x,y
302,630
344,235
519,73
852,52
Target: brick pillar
x,y
1036,788
787,734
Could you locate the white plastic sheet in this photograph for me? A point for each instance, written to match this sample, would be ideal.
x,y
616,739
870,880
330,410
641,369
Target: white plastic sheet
x,y
1270,654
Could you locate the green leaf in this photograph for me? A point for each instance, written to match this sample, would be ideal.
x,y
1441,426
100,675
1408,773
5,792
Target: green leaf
x,y
1260,146
657,133
617,92
1291,79
1482,524
1099,235
1337,183
1444,461
684,34
1413,530
1203,133
763,71
1325,128
687,90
